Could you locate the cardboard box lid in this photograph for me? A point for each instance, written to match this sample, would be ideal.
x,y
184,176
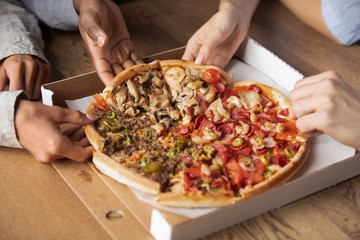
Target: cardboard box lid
x,y
165,225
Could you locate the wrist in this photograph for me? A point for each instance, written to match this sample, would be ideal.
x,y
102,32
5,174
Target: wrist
x,y
77,5
244,9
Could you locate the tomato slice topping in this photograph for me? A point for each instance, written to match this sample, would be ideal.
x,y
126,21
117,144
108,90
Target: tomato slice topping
x,y
101,103
211,76
234,172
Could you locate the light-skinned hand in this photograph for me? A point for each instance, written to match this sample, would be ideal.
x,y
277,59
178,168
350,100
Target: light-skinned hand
x,y
217,40
104,31
38,131
326,103
24,72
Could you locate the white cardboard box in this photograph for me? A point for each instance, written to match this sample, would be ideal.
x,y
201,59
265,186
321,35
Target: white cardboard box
x,y
329,162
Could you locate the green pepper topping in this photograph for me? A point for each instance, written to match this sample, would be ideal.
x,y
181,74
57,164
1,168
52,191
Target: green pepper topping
x,y
172,152
181,143
112,126
152,167
127,136
112,115
143,161
149,133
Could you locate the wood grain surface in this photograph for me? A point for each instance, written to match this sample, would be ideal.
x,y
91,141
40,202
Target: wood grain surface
x,y
159,25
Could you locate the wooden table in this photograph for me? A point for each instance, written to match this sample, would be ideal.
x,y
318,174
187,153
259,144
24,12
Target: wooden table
x,y
34,207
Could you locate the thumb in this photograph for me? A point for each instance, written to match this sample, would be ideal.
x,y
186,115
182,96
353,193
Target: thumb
x,y
63,115
91,25
207,49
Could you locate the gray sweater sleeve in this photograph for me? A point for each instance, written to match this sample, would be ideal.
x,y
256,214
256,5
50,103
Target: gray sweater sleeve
x,y
59,14
20,32
7,118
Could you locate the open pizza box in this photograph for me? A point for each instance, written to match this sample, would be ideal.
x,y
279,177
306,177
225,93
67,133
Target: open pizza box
x,y
125,213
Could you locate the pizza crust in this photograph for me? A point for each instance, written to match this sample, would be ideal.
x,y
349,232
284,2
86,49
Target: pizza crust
x,y
124,175
195,199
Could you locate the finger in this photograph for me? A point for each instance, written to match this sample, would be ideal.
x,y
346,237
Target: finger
x,y
116,68
304,106
135,58
91,25
312,123
3,79
128,63
16,75
315,78
30,78
78,153
84,142
78,135
104,70
70,130
191,51
43,76
63,115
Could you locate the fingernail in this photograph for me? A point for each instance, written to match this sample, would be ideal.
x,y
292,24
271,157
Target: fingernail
x,y
200,59
91,117
100,41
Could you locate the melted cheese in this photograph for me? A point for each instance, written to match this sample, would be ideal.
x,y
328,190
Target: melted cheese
x,y
250,99
218,110
234,101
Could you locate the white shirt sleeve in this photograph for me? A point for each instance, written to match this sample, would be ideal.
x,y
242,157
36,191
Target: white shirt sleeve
x,y
19,31
59,14
7,118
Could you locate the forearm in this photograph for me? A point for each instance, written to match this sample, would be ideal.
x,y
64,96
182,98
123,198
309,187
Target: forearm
x,y
246,8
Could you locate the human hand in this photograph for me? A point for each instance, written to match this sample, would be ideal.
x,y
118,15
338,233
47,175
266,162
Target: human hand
x,y
325,103
217,40
38,131
103,29
24,72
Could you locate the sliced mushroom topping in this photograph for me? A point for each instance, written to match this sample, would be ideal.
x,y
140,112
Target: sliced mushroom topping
x,y
174,115
159,101
186,94
121,96
157,82
195,85
133,90
131,112
174,77
143,77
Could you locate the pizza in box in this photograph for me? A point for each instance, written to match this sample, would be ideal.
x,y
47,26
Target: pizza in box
x,y
177,130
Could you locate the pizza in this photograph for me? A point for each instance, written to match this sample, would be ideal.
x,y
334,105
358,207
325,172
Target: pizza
x,y
177,130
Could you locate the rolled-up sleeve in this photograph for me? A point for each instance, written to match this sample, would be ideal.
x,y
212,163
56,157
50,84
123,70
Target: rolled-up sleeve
x,y
342,19
59,14
7,118
19,31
